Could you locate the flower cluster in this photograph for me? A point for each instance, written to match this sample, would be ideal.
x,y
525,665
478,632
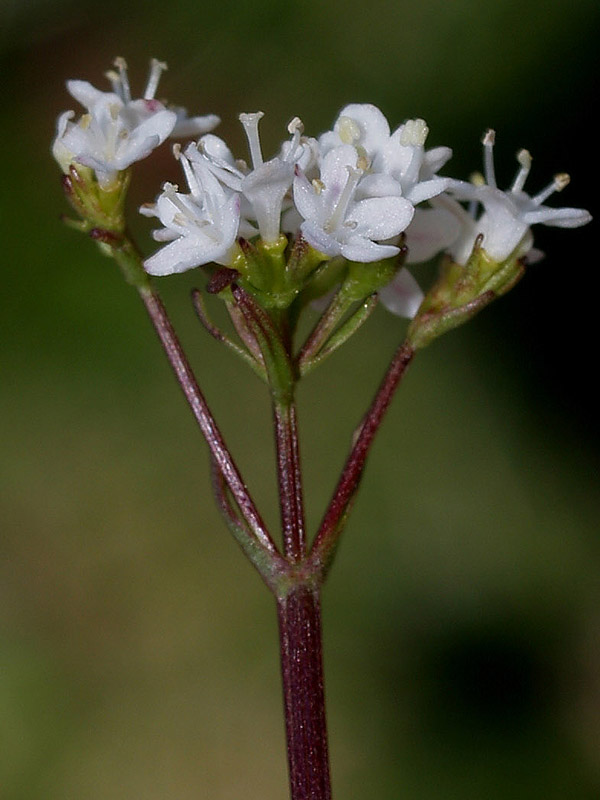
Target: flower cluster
x,y
360,193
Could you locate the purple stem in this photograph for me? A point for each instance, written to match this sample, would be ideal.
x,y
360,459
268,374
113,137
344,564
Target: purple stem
x,y
303,693
187,381
330,530
289,479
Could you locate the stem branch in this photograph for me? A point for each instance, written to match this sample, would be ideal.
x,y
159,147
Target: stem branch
x,y
330,530
208,426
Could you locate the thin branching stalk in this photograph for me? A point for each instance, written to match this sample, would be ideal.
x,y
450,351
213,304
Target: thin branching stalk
x,y
327,537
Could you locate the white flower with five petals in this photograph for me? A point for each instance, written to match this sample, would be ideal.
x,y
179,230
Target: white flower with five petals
x,y
507,217
201,227
264,188
117,131
338,220
400,155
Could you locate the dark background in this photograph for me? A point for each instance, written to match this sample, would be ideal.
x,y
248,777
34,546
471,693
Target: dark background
x,y
138,653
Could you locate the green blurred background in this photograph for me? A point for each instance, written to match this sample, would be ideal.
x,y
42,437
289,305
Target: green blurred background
x,y
138,653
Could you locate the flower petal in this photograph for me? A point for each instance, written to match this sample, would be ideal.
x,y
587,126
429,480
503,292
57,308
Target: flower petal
x,y
558,217
192,126
88,95
403,295
321,241
382,217
358,248
431,231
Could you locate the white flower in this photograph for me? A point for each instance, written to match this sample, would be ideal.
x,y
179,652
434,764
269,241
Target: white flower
x,y
336,222
116,131
507,216
400,155
265,187
201,227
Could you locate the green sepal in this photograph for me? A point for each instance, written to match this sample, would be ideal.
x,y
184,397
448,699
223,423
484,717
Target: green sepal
x,y
328,274
339,337
264,272
303,261
461,292
364,279
97,207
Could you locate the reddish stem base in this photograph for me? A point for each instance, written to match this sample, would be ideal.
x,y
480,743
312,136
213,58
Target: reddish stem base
x,y
303,693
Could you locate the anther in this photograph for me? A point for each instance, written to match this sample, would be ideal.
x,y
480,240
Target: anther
x,y
557,185
414,133
294,125
561,180
524,159
121,65
348,130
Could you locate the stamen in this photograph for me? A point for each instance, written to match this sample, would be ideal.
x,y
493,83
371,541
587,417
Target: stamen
x,y
339,211
215,164
558,184
348,130
250,123
193,183
296,128
170,192
169,188
115,81
318,185
524,159
113,131
488,157
414,133
562,180
295,125
156,69
125,92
